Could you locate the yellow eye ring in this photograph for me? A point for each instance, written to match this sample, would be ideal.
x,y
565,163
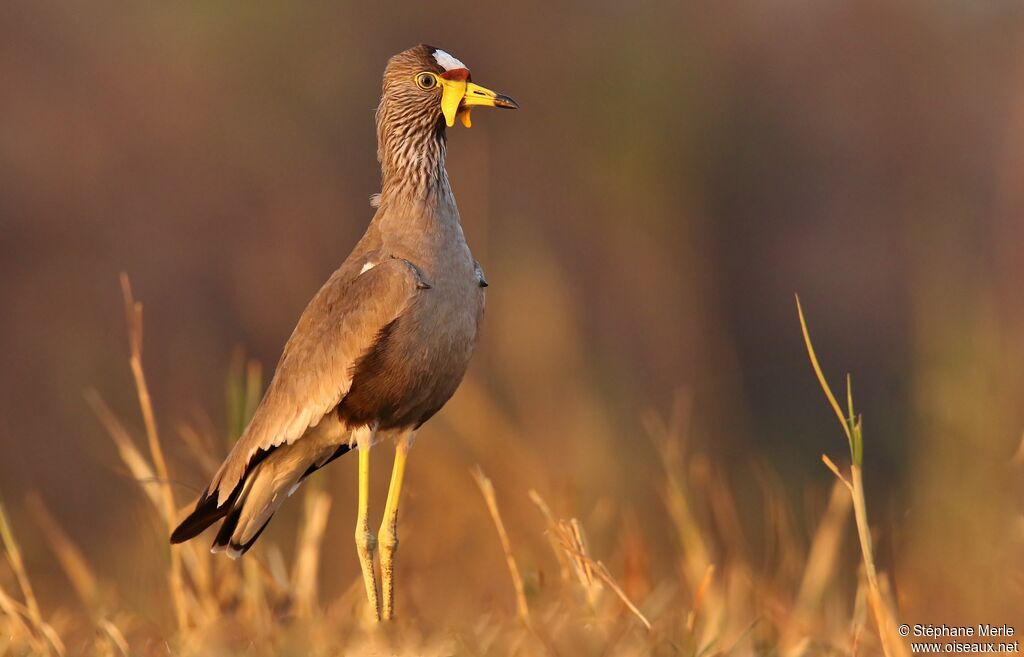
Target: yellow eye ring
x,y
426,80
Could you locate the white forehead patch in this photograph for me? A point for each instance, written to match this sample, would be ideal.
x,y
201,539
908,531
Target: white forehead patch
x,y
446,61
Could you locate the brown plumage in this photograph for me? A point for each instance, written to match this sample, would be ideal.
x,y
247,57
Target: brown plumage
x,y
386,341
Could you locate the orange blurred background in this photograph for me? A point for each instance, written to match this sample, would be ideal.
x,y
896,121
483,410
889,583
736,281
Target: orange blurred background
x,y
676,173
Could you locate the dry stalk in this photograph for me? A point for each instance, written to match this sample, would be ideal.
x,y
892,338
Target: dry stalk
x,y
133,459
698,598
824,550
31,606
133,316
598,568
552,533
818,572
676,497
18,615
255,607
830,464
892,644
199,447
71,559
307,562
116,637
603,573
572,541
860,613
697,557
487,489
18,566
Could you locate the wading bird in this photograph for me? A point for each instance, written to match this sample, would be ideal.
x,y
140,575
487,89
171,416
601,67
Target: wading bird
x,y
383,344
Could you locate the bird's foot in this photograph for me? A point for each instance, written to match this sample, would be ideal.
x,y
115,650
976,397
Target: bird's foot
x,y
366,545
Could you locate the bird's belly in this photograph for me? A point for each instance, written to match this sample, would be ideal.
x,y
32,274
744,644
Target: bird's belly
x,y
417,361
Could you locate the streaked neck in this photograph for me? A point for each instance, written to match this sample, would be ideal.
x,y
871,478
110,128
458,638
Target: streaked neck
x,y
412,165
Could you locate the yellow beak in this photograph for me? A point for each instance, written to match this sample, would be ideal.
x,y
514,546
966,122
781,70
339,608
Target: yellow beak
x,y
458,96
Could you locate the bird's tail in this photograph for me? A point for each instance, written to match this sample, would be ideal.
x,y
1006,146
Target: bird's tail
x,y
263,488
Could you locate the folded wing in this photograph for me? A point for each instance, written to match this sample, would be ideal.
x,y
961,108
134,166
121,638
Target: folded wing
x,y
315,371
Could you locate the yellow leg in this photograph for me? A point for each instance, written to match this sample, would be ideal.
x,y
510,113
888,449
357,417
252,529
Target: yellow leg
x,y
387,537
366,542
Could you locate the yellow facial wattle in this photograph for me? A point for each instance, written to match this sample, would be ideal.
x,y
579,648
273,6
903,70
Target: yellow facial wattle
x,y
459,96
453,91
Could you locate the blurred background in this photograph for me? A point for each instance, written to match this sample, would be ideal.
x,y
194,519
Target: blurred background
x,y
676,173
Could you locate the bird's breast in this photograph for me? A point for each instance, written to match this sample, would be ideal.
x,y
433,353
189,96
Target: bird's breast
x,y
420,358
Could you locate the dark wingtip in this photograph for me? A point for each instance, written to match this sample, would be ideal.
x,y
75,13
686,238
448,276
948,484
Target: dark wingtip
x,y
205,514
238,550
223,542
227,528
179,535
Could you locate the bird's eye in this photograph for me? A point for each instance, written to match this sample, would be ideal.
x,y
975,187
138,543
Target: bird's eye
x,y
426,80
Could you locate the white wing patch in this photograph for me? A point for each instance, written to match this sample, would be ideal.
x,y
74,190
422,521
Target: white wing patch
x,y
446,61
367,267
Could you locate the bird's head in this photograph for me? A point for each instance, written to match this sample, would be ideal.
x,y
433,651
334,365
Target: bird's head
x,y
425,85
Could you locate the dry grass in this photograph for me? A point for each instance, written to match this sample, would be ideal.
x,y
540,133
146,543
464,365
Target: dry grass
x,y
717,600
885,617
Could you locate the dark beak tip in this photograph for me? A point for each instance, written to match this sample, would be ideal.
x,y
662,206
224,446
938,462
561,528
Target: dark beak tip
x,y
505,102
